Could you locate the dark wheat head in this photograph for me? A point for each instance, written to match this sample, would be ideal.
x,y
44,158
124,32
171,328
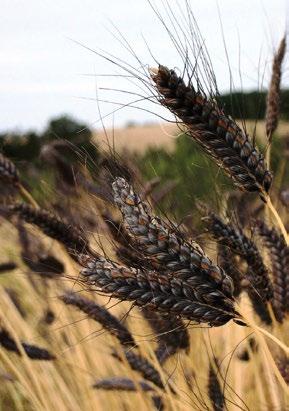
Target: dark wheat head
x,y
218,134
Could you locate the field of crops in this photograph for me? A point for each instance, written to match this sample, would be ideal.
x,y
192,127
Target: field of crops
x,y
146,267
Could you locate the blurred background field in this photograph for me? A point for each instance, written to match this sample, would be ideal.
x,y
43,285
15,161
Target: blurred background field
x,y
157,150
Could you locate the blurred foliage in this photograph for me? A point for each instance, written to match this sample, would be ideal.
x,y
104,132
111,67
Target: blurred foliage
x,y
252,105
27,146
25,150
195,174
65,127
192,170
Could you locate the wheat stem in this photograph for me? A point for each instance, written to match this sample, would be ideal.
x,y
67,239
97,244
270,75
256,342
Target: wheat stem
x,y
278,219
268,156
27,196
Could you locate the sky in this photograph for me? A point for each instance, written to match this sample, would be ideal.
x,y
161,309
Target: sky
x,y
49,65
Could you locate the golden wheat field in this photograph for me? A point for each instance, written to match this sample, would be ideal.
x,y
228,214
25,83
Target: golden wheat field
x,y
138,138
147,267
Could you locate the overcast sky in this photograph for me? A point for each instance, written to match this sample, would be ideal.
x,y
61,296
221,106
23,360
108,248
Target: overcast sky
x,y
43,70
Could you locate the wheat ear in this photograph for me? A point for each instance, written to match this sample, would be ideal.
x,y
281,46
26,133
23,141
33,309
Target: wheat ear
x,y
217,133
165,249
101,315
273,96
165,294
279,253
172,334
51,225
32,351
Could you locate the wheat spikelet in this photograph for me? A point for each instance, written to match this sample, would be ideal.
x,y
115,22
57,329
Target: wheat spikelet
x,y
32,351
273,96
236,240
218,134
283,366
126,384
141,365
260,289
9,266
129,257
48,317
171,333
245,355
215,391
227,260
258,304
160,293
101,315
35,257
165,249
279,253
121,384
8,171
124,249
51,225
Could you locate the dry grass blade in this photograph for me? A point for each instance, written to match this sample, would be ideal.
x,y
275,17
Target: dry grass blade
x,y
101,315
217,133
32,351
165,294
15,298
273,96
